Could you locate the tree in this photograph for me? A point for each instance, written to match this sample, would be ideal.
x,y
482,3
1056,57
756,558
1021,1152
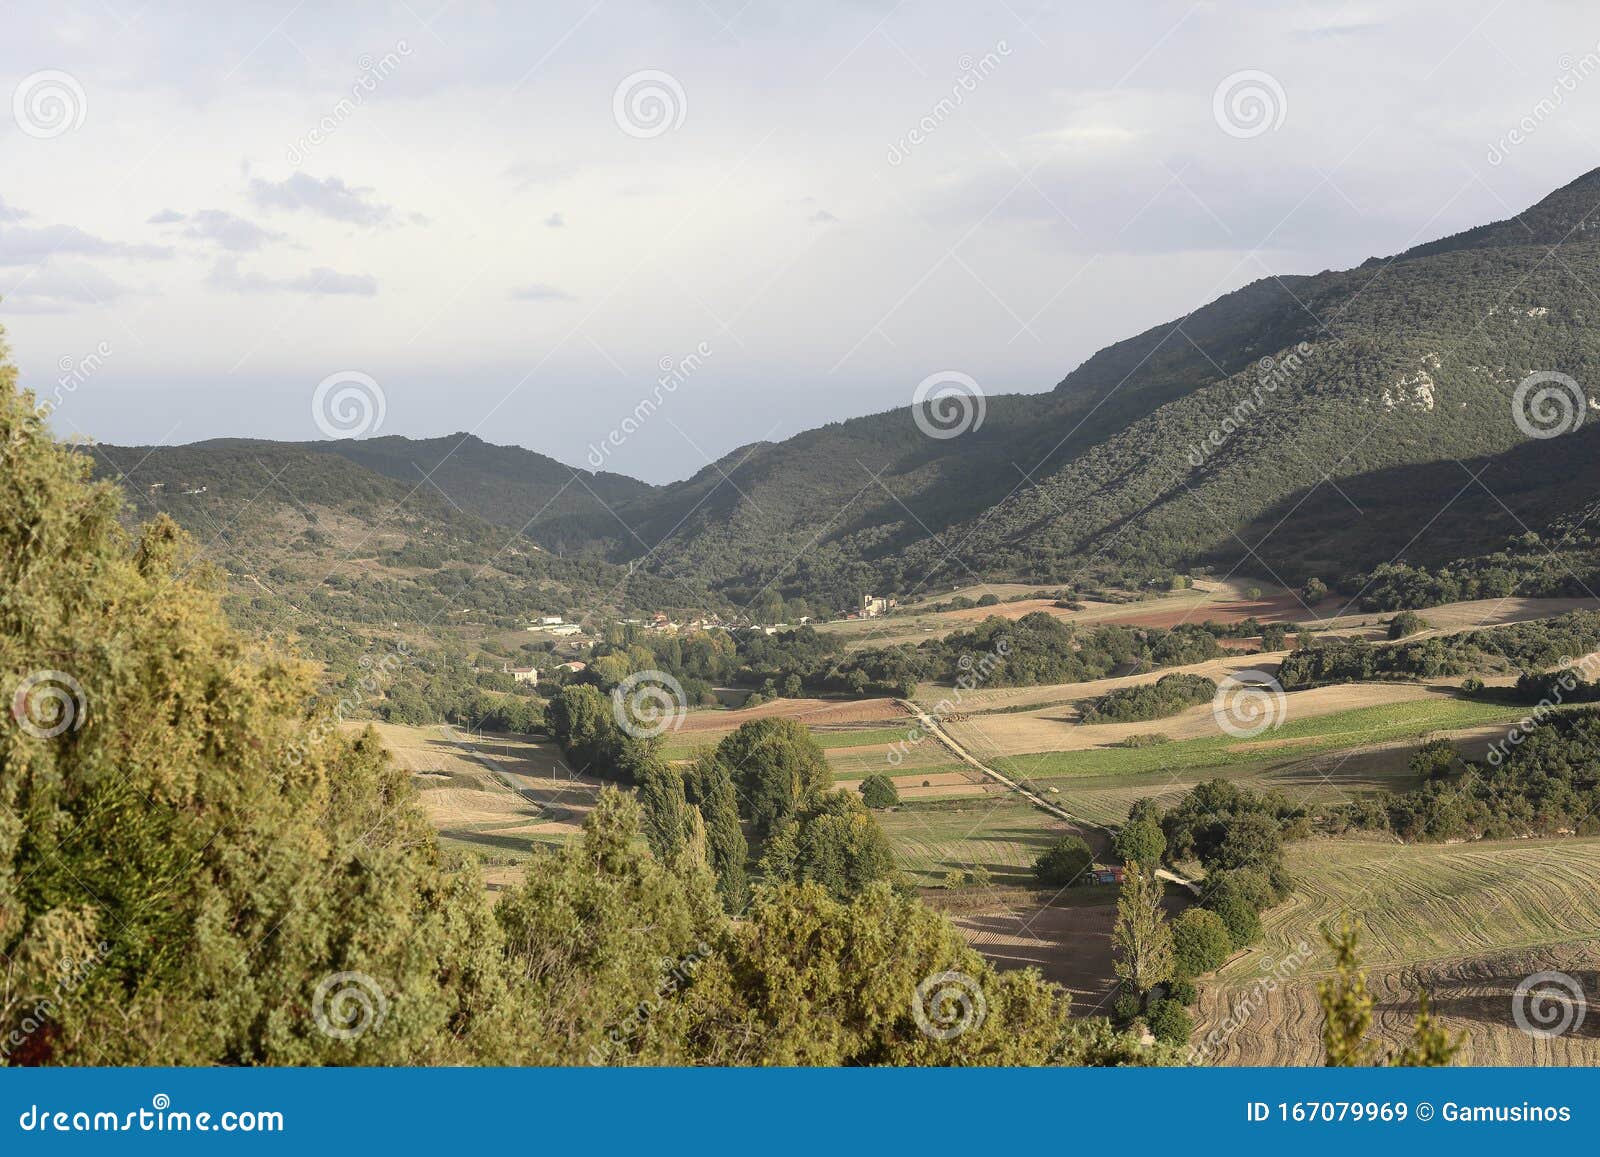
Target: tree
x,y
1169,1022
205,845
1314,591
1200,943
710,789
1252,840
879,791
839,846
779,768
1141,937
1237,906
1063,863
1141,840
666,818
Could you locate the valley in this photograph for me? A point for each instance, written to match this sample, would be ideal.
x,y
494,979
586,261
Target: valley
x,y
1338,662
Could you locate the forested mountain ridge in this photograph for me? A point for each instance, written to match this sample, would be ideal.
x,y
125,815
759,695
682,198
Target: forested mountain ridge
x,y
1305,382
1297,425
312,538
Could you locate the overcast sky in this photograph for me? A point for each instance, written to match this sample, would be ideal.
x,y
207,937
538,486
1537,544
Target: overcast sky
x,y
508,217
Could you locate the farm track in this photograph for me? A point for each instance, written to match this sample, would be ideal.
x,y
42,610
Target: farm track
x,y
933,728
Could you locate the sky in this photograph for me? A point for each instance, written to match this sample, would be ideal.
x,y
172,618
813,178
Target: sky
x,y
269,219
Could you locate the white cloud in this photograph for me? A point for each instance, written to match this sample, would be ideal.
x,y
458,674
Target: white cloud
x,y
228,231
30,244
226,275
330,197
56,288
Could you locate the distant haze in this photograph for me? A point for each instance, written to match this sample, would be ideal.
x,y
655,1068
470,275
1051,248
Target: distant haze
x,y
802,210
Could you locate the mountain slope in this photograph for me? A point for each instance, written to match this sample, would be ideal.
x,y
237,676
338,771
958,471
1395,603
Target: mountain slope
x,y
505,485
1179,447
313,541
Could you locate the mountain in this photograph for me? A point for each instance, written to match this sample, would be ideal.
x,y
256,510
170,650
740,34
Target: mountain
x,y
1320,425
505,485
314,542
1207,441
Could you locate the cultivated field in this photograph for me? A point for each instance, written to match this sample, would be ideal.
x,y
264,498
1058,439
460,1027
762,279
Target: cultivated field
x,y
1468,922
1003,834
496,797
1065,935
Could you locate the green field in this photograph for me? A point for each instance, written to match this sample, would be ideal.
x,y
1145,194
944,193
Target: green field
x,y
1295,739
1004,834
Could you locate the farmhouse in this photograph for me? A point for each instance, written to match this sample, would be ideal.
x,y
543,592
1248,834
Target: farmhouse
x,y
872,606
528,675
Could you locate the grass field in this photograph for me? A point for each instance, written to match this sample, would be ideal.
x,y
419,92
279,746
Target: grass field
x,y
1467,922
1297,738
1003,834
497,798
